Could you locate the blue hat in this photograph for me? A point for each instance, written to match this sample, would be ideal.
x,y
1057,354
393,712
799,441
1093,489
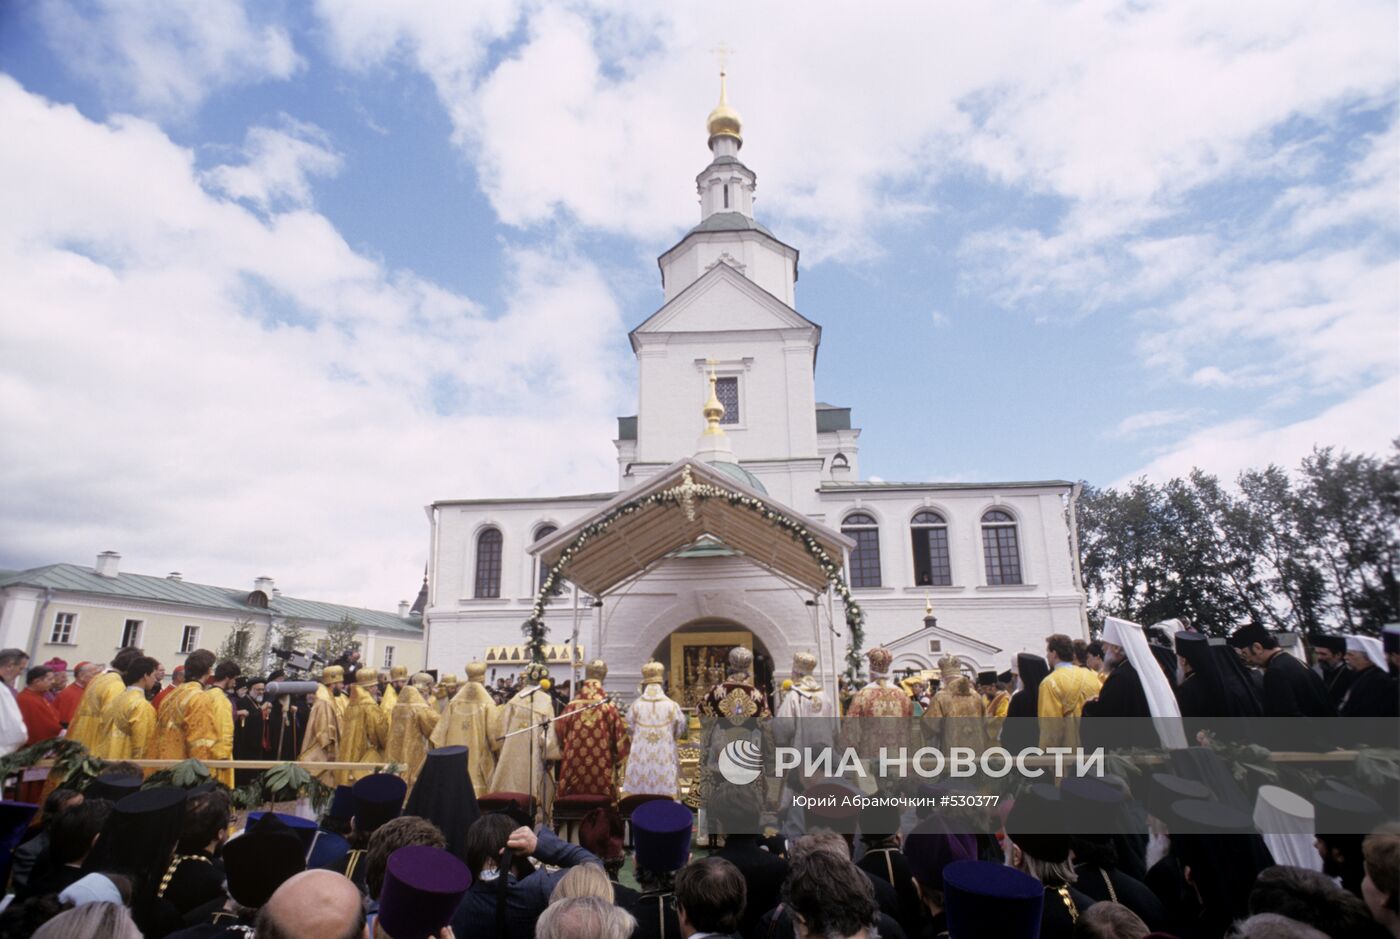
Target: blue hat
x,y
327,848
260,860
986,900
661,835
378,798
342,804
422,887
303,828
1036,823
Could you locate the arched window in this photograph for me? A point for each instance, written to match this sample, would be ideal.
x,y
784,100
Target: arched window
x,y
541,533
488,563
865,559
932,567
999,547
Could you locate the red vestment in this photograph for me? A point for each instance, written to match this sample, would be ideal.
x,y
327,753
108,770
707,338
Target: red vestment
x,y
40,718
594,743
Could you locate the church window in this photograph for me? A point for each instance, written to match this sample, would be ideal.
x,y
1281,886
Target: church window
x,y
865,558
488,563
544,531
1000,548
726,195
931,562
62,632
727,390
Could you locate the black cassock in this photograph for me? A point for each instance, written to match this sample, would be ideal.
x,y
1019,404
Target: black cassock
x,y
1337,681
250,738
1293,690
1121,696
287,727
1372,694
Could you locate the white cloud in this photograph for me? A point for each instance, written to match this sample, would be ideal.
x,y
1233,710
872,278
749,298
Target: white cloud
x,y
278,164
1363,423
1153,420
849,119
167,56
940,319
213,391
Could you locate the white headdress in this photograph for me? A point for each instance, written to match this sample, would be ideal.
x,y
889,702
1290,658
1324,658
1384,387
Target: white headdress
x,y
1161,702
1370,647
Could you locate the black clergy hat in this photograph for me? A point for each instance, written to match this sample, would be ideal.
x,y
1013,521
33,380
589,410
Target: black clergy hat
x,y
986,900
1390,638
1205,817
1092,808
303,828
139,838
342,805
1037,824
112,786
444,795
1005,677
378,798
1165,789
258,861
1334,644
1193,647
1341,810
878,821
931,847
987,677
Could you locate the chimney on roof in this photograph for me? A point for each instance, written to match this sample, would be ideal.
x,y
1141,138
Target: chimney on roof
x,y
403,609
265,584
174,575
108,564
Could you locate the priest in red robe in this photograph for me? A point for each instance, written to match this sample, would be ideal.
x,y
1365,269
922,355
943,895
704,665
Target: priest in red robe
x,y
592,738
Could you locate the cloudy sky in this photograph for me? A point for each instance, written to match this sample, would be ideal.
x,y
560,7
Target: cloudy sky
x,y
274,276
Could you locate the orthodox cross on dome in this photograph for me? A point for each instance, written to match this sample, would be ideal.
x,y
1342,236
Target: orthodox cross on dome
x,y
724,121
722,53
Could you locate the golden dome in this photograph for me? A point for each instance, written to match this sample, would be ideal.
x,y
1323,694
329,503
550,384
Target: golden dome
x,y
724,121
714,408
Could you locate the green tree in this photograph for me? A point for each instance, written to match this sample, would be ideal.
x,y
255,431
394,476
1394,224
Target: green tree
x,y
245,645
342,638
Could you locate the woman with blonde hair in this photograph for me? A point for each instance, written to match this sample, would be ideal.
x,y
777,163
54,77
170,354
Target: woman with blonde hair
x,y
109,920
585,880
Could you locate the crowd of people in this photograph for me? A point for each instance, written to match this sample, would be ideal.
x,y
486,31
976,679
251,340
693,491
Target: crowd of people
x,y
455,841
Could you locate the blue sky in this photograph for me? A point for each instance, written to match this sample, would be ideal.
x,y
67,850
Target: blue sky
x,y
277,275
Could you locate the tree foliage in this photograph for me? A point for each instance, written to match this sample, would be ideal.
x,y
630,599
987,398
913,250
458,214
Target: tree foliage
x,y
341,638
247,645
1317,549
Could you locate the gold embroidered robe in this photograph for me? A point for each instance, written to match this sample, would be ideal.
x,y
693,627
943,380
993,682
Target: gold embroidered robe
x,y
364,733
128,727
413,722
388,699
222,710
1061,703
656,724
467,723
185,724
880,715
593,742
732,710
957,716
521,765
996,715
322,735
86,725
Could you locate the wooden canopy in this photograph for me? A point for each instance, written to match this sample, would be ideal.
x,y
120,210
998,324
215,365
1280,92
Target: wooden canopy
x,y
638,540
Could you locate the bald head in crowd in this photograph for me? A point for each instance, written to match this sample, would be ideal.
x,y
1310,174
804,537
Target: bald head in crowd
x,y
314,905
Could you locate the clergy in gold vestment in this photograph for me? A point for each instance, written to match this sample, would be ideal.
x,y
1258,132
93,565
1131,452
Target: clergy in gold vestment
x,y
222,709
956,716
880,713
445,692
86,725
322,740
364,730
656,723
467,723
592,739
412,723
521,765
398,677
129,721
185,722
1063,693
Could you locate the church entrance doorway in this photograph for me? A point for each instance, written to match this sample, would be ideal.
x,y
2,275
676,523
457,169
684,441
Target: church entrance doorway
x,y
696,654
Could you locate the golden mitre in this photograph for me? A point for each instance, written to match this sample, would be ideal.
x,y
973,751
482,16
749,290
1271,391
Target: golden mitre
x,y
653,673
949,668
804,663
398,673
476,671
597,670
332,674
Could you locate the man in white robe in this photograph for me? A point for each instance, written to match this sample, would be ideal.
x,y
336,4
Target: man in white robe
x,y
521,765
656,724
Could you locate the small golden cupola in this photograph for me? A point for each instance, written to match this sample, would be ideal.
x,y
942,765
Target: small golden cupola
x,y
724,121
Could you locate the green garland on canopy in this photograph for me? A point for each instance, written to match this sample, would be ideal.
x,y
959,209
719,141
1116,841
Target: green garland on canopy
x,y
684,497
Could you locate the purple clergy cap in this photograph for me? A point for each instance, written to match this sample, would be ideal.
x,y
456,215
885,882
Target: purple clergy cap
x,y
422,887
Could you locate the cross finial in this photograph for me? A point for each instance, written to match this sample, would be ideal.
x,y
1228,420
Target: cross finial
x,y
722,53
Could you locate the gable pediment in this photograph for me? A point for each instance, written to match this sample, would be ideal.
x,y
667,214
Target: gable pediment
x,y
723,299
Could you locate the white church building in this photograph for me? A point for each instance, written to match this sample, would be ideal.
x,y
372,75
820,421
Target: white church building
x,y
727,397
